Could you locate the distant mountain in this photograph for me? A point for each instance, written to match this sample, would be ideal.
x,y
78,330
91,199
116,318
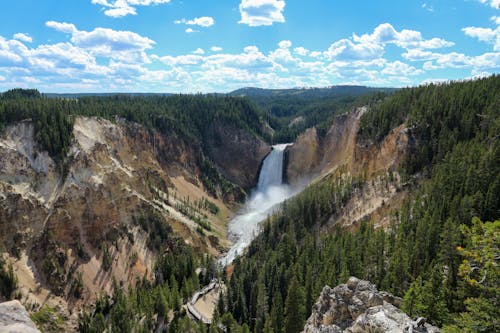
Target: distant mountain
x,y
77,95
307,93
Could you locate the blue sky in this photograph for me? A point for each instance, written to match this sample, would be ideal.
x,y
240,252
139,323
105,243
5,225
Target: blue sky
x,y
221,45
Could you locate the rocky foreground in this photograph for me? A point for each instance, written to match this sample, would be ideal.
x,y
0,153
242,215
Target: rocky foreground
x,y
358,306
15,319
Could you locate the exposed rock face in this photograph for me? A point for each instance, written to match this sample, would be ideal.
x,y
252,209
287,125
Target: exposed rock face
x,y
118,170
311,156
357,307
15,319
224,142
303,156
340,150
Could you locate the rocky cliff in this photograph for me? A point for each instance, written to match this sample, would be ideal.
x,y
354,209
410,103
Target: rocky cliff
x,y
226,145
68,238
340,150
312,156
357,307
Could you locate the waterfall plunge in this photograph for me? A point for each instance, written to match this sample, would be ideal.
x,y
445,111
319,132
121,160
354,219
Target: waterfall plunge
x,y
263,201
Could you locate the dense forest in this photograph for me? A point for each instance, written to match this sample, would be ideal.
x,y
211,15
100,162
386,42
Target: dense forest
x,y
291,111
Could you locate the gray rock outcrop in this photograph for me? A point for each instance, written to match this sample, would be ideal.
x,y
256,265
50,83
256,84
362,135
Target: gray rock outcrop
x,y
15,319
357,307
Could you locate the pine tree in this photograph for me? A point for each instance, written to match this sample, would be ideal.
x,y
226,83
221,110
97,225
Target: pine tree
x,y
294,308
262,307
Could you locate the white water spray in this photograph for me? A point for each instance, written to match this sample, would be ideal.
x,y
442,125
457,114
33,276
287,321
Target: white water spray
x,y
263,201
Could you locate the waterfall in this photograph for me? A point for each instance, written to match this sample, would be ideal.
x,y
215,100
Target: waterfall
x,y
271,173
265,198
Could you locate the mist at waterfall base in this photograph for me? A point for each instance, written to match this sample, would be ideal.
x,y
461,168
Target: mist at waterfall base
x,y
265,199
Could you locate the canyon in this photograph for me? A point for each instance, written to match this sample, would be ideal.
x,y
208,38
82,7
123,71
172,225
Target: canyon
x,y
118,169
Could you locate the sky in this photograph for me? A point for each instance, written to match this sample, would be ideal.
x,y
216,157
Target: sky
x,y
190,46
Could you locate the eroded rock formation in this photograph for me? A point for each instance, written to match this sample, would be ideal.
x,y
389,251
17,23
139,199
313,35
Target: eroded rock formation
x,y
357,306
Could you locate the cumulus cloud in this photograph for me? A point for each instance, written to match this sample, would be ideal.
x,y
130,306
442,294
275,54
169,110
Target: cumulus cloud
x,y
492,3
103,59
261,12
190,30
302,51
488,61
107,42
419,55
398,68
67,28
23,37
204,21
120,8
345,49
285,44
199,51
487,35
409,39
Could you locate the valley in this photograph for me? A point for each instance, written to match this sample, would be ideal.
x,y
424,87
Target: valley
x,y
116,210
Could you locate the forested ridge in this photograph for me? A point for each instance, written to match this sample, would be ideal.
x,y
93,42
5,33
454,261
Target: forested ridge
x,y
183,117
291,111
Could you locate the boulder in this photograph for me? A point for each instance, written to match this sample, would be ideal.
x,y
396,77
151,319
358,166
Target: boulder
x,y
15,319
357,307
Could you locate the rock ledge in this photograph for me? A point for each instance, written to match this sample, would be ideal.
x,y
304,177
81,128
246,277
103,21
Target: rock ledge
x,y
358,306
15,319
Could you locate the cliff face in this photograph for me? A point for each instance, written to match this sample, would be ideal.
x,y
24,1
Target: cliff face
x,y
65,230
358,306
237,153
341,150
312,156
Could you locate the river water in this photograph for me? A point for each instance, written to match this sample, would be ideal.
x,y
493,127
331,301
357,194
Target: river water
x,y
264,199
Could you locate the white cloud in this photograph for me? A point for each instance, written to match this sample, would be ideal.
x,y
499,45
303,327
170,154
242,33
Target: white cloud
x,y
419,55
67,28
120,8
124,45
399,68
23,37
409,39
261,12
486,61
496,19
486,35
492,3
345,49
427,7
204,21
285,44
190,30
301,51
109,60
